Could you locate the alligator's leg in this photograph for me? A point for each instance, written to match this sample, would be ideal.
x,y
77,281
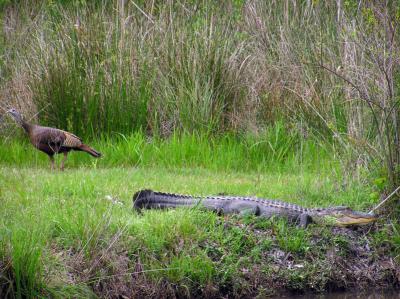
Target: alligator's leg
x,y
305,220
219,211
251,211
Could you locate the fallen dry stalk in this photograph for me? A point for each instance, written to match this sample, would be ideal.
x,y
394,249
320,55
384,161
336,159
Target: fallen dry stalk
x,y
385,200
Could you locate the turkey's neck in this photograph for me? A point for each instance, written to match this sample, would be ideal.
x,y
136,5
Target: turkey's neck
x,y
26,126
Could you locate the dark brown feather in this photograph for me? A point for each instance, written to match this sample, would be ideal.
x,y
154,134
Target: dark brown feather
x,y
89,150
51,140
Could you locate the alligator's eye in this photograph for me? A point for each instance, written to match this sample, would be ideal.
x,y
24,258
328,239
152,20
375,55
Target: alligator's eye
x,y
343,208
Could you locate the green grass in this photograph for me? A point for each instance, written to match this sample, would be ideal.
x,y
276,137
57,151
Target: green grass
x,y
275,148
74,233
59,225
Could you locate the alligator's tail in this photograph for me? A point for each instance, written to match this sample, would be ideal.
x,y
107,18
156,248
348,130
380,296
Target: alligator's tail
x,y
148,199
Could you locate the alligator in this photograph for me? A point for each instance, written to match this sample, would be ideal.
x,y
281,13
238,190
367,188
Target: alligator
x,y
334,216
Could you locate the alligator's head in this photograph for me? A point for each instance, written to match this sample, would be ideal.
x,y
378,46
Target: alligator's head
x,y
342,216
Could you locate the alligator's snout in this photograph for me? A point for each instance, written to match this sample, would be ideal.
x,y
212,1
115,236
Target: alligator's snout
x,y
356,218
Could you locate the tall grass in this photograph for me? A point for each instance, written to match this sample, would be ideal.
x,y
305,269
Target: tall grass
x,y
110,68
90,80
98,69
26,252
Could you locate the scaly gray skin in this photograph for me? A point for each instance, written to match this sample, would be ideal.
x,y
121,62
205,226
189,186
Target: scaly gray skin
x,y
336,216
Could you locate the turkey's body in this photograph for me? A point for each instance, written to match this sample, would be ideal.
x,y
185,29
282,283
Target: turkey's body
x,y
48,140
53,141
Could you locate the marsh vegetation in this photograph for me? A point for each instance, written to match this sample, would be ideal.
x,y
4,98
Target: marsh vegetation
x,y
296,100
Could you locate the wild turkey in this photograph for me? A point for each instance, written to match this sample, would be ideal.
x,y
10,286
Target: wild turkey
x,y
52,141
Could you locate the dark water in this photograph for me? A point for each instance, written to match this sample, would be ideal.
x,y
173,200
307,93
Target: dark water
x,y
348,295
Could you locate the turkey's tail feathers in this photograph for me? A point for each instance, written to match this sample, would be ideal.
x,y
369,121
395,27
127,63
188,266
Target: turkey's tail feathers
x,y
89,150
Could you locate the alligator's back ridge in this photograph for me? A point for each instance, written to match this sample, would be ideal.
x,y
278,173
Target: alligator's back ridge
x,y
340,216
151,197
148,199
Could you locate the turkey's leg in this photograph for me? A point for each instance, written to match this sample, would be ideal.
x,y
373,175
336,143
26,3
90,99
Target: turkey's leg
x,y
52,162
63,160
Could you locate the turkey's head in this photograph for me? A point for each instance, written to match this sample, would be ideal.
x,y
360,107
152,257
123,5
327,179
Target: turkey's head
x,y
16,115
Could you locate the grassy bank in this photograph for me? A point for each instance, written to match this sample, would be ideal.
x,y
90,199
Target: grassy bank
x,y
74,233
